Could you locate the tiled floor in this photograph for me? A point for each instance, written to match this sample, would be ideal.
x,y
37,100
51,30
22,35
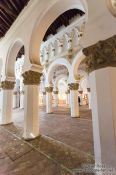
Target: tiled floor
x,y
76,132
45,156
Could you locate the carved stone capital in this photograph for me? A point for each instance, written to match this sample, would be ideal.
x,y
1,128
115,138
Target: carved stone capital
x,y
68,91
21,92
81,92
15,93
88,89
7,85
73,86
101,54
55,92
49,89
44,93
31,77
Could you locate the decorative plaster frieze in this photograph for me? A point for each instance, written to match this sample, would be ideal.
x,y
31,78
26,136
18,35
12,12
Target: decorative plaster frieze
x,y
31,77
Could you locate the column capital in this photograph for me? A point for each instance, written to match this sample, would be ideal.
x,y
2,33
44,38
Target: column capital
x,y
73,86
55,92
44,93
80,91
31,77
21,92
101,54
68,91
49,89
15,93
88,89
7,85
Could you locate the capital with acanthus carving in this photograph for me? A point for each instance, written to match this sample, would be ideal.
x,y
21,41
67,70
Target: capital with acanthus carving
x,y
101,54
7,85
31,77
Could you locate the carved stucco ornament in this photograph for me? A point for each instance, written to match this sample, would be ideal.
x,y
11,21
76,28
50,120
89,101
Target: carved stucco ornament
x,y
15,93
21,92
7,85
55,92
73,86
101,55
31,77
80,91
49,89
68,91
88,89
44,93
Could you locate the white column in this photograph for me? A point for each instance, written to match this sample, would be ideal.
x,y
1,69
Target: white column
x,y
44,98
89,97
103,94
74,100
14,99
31,106
18,100
7,102
67,97
56,99
49,108
21,99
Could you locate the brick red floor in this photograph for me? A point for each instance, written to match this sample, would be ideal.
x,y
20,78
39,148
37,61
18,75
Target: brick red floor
x,y
46,155
76,132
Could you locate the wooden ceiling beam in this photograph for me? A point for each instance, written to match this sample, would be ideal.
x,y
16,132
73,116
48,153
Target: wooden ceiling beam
x,y
7,10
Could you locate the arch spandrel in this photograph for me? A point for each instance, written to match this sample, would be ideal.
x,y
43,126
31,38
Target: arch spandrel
x,y
50,13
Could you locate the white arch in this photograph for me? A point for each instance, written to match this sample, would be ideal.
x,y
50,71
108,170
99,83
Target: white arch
x,y
1,64
58,78
51,11
53,65
76,62
11,58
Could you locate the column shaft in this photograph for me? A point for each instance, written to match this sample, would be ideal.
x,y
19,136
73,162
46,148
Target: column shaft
x,y
103,94
7,101
74,103
22,100
31,118
31,104
74,99
49,102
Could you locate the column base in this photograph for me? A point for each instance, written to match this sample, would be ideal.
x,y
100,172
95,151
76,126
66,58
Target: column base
x,y
29,136
49,112
75,116
9,123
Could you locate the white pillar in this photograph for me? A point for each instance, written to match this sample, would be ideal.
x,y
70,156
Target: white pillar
x,y
89,97
44,98
74,100
103,94
21,99
18,100
31,106
14,99
7,102
56,99
68,97
49,108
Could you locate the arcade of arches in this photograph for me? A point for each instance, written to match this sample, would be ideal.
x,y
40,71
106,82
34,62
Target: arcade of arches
x,y
58,87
